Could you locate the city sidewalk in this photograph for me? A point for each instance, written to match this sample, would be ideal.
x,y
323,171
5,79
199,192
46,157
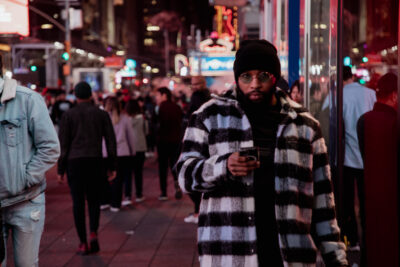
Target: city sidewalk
x,y
151,233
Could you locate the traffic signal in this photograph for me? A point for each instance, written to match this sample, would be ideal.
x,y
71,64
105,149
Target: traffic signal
x,y
65,56
33,68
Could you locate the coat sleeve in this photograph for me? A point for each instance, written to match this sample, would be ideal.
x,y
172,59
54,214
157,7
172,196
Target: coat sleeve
x,y
64,135
111,143
326,229
45,141
197,170
130,135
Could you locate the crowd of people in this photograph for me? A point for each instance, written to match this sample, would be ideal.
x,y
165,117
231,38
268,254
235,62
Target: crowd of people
x,y
254,162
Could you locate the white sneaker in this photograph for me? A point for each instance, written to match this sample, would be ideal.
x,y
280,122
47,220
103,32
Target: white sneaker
x,y
126,202
140,199
192,219
162,198
104,207
112,209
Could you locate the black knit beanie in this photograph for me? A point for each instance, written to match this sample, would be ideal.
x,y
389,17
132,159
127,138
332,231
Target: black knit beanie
x,y
257,55
83,90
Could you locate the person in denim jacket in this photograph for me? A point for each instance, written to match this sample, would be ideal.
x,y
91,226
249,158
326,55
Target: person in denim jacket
x,y
29,147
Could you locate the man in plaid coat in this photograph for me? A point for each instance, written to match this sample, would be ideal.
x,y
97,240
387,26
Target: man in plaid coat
x,y
274,210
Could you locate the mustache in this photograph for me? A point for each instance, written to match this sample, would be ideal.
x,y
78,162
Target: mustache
x,y
255,91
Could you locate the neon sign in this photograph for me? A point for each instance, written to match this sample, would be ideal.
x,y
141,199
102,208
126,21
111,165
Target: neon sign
x,y
14,17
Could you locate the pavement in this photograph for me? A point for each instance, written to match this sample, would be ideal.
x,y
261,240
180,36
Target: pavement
x,y
150,233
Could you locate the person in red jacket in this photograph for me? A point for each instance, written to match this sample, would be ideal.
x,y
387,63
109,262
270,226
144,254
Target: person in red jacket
x,y
377,135
169,117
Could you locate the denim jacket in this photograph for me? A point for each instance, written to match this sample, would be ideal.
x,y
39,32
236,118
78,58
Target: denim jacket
x,y
28,143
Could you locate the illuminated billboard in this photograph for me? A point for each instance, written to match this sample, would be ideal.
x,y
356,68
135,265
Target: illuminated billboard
x,y
212,65
14,17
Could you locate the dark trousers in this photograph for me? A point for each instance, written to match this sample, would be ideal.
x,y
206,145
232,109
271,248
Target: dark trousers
x,y
83,180
167,155
351,177
138,162
124,172
196,198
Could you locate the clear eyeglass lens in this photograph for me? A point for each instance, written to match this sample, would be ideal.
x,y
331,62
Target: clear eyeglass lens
x,y
262,77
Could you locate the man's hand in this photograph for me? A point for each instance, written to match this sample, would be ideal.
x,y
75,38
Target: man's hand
x,y
60,178
111,175
240,165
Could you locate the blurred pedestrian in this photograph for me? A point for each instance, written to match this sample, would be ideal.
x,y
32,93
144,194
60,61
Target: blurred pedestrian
x,y
296,92
126,140
198,98
82,130
150,116
140,128
377,137
29,147
198,83
357,100
60,106
272,203
316,99
170,118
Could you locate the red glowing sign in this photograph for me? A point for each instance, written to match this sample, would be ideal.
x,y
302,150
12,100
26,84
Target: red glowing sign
x,y
14,17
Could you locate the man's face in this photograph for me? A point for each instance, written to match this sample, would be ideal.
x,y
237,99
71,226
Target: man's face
x,y
197,83
256,85
160,98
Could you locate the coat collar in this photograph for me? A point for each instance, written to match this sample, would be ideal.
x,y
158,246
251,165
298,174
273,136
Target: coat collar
x,y
8,89
289,107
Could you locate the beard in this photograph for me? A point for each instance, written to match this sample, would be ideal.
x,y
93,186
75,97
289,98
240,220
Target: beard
x,y
258,97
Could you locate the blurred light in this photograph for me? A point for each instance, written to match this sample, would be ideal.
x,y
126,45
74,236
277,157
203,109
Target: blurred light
x,y
384,52
144,65
80,51
171,85
323,26
347,61
46,26
33,87
131,63
91,56
145,80
118,86
153,28
33,68
120,53
365,59
148,41
362,81
322,79
316,26
154,2
355,50
101,59
58,45
65,56
55,16
184,71
148,68
8,74
155,70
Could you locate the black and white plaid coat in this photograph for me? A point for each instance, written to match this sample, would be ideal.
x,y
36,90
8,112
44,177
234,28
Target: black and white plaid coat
x,y
304,199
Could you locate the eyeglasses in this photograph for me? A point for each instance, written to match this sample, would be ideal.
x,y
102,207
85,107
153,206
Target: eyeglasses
x,y
262,77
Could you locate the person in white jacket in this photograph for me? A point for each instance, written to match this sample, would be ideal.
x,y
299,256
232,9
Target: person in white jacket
x,y
126,140
140,128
